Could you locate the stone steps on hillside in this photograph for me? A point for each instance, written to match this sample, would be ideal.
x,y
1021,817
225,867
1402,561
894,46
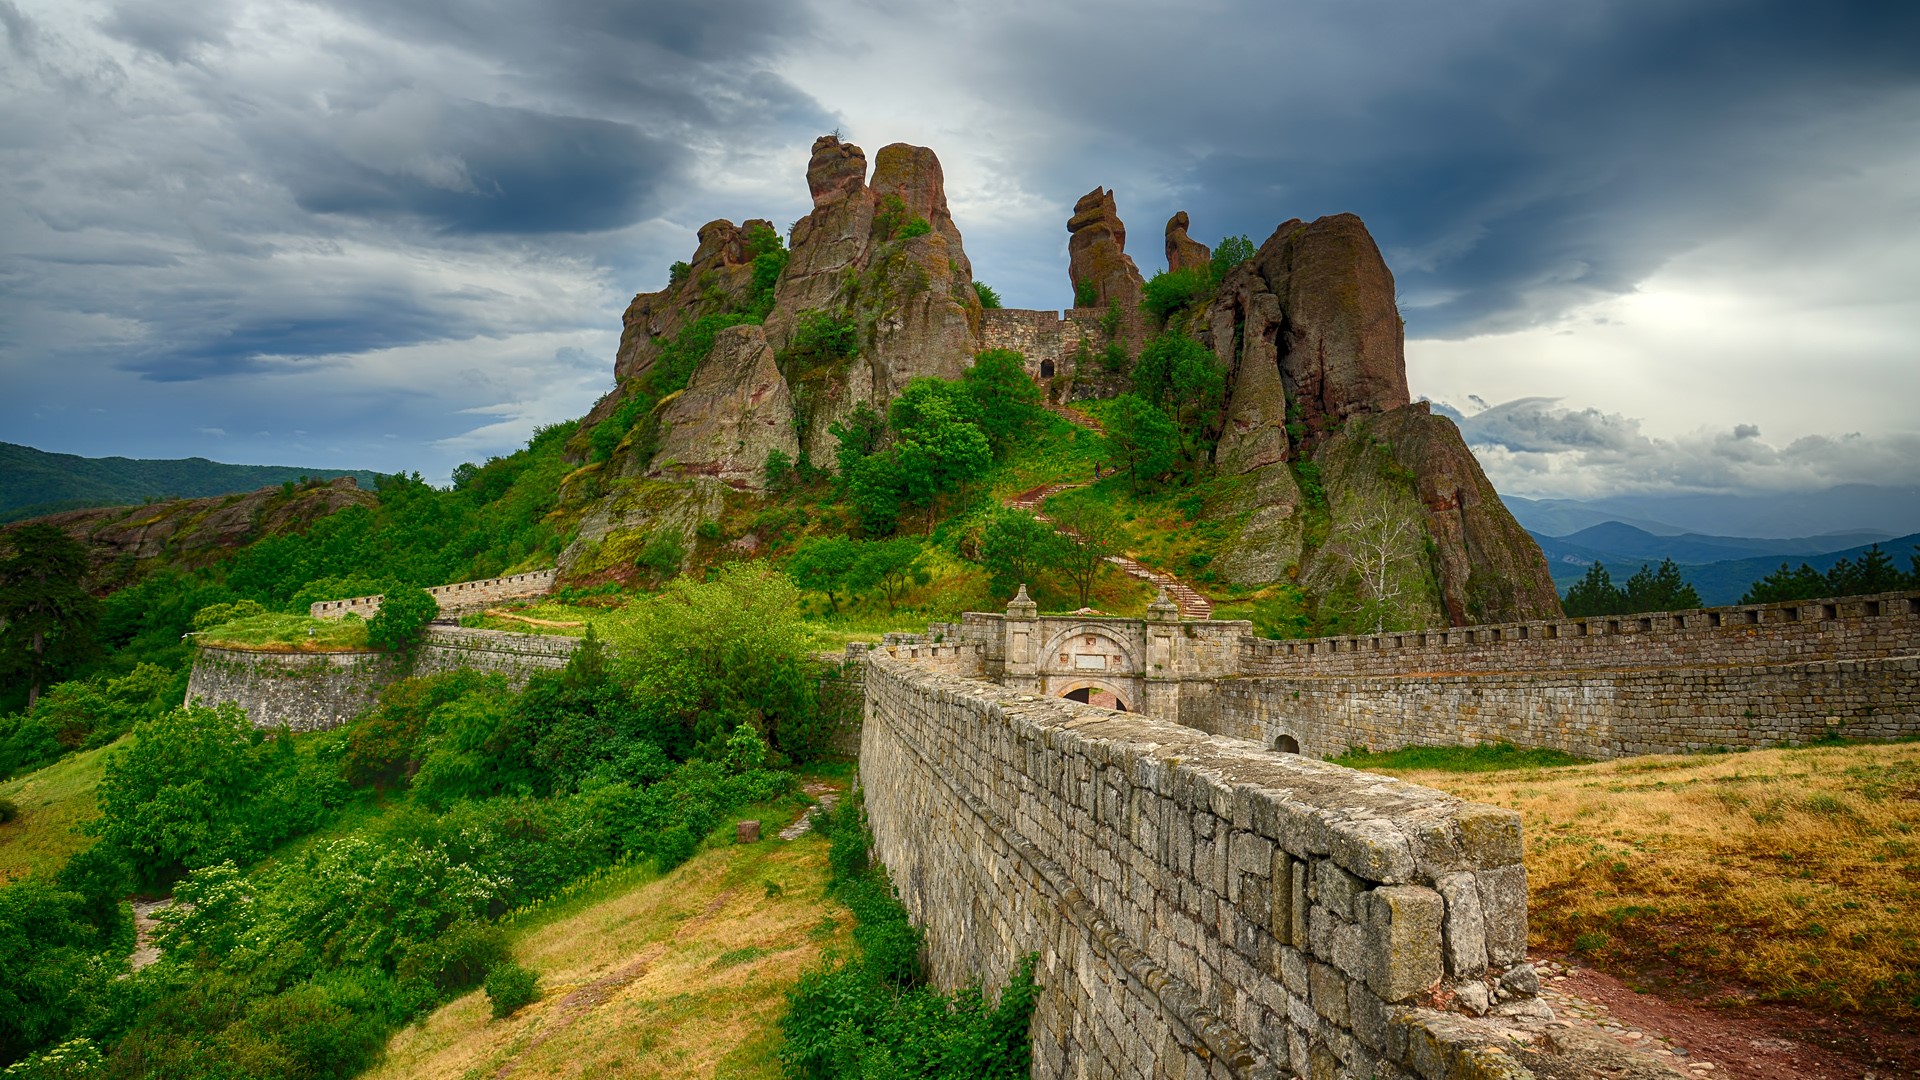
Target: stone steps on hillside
x,y
1192,604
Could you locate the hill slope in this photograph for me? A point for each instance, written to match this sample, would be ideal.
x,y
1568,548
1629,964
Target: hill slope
x,y
684,975
34,482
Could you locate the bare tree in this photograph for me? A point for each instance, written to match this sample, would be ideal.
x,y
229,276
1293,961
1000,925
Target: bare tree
x,y
1373,546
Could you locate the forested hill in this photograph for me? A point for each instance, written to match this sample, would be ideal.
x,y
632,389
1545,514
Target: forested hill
x,y
34,482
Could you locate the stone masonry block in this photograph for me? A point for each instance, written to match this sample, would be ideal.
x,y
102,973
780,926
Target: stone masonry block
x,y
1281,923
1328,992
1373,848
1465,928
1490,834
1336,890
1503,905
1403,940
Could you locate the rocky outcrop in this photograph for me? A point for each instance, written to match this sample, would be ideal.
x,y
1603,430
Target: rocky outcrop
x,y
1184,252
1342,344
735,410
1097,261
123,541
857,255
1490,570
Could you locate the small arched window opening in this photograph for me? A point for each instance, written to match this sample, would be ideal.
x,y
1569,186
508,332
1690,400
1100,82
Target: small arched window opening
x,y
1046,369
1286,744
1093,695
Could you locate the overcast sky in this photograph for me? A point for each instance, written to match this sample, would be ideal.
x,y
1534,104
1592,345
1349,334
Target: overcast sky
x,y
1640,246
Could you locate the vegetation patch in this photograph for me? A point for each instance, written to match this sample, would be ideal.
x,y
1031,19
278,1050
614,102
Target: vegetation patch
x,y
1485,757
1789,875
277,632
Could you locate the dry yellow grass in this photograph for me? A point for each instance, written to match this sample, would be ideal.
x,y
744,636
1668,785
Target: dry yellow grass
x,y
1794,872
683,976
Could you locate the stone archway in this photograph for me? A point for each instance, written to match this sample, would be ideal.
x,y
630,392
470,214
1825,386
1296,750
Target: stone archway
x,y
1046,369
1286,744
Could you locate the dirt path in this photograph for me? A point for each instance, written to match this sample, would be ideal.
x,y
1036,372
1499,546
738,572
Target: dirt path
x,y
1762,1042
1192,604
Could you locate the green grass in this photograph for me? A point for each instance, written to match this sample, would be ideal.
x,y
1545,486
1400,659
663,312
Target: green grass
x,y
544,612
1486,757
276,632
53,802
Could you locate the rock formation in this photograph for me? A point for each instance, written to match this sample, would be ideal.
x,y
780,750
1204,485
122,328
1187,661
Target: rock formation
x,y
1184,252
735,410
1097,261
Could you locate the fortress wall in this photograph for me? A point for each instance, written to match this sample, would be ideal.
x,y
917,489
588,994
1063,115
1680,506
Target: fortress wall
x,y
1201,907
1846,628
304,691
1043,335
321,691
459,598
1600,713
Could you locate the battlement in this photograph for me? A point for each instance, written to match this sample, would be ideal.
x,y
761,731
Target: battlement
x,y
459,598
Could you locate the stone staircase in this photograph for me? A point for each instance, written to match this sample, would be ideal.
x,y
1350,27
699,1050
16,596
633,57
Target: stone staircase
x,y
1192,604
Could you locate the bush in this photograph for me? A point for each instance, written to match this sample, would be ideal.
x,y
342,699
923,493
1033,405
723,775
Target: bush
x,y
988,298
1229,253
8,810
674,847
509,986
405,611
1173,290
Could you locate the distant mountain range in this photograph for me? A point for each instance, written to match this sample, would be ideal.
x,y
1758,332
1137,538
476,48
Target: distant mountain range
x,y
1894,511
34,482
1720,568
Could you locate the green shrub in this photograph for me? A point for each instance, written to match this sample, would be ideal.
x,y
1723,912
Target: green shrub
x,y
988,298
674,847
1085,294
510,986
1174,290
677,274
401,622
8,810
1229,253
214,614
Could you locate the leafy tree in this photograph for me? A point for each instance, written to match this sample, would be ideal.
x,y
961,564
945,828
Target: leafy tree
x,y
1182,377
1017,548
820,340
1008,402
778,471
1140,439
1786,584
200,785
825,564
46,614
1594,594
938,446
1230,252
1874,573
988,298
1170,291
47,949
82,714
1092,533
889,565
401,622
1659,589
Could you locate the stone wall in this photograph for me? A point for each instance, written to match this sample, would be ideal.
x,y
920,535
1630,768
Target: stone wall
x,y
1201,907
460,598
320,691
304,691
1671,682
1846,628
1044,336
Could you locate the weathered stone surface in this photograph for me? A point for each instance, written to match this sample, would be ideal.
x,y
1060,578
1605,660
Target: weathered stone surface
x,y
1255,433
912,297
1466,925
1491,571
735,410
1403,940
1184,252
1097,259
1506,924
1342,352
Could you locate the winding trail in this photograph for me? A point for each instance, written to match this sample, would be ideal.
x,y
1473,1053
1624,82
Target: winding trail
x,y
1192,604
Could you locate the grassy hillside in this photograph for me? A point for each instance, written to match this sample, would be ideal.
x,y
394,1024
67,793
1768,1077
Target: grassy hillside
x,y
52,803
34,482
681,975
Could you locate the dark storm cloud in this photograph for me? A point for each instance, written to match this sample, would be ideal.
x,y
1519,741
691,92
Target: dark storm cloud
x,y
486,169
1512,159
173,32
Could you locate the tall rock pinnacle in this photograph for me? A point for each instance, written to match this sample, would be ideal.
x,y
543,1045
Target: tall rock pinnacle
x,y
1183,251
1097,261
